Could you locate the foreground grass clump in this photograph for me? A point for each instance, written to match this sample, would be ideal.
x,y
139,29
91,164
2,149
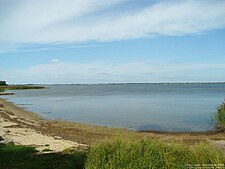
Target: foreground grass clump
x,y
22,157
120,154
220,117
1,90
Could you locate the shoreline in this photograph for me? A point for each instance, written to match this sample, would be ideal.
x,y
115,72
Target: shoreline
x,y
23,127
154,131
6,93
81,135
175,132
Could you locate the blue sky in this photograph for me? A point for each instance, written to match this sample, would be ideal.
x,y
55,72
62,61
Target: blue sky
x,y
97,41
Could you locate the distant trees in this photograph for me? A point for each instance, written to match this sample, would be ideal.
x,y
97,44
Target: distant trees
x,y
3,83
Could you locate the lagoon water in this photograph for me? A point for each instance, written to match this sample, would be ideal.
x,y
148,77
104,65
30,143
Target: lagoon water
x,y
176,107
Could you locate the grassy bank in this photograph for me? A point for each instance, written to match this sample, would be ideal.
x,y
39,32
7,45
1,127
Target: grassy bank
x,y
116,154
20,87
120,154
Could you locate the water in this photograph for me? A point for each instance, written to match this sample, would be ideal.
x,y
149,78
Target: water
x,y
176,107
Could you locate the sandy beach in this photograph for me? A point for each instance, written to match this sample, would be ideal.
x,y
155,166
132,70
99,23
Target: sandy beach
x,y
26,128
23,128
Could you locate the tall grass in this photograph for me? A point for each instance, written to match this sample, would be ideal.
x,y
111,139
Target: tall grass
x,y
2,90
123,154
116,154
220,117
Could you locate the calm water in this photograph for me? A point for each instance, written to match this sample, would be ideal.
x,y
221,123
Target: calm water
x,y
179,107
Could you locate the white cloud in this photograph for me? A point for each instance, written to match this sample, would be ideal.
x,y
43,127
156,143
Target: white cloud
x,y
65,21
55,60
99,72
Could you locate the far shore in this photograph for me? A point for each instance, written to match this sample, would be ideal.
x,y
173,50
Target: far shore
x,y
21,87
17,87
6,93
19,125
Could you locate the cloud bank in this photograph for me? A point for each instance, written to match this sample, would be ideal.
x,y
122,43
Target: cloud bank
x,y
102,72
80,21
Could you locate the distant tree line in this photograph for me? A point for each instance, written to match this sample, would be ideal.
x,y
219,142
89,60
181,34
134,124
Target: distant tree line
x,y
3,83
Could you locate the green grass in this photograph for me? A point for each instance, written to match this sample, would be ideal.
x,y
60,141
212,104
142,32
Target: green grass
x,y
22,157
220,117
20,87
115,154
1,90
122,154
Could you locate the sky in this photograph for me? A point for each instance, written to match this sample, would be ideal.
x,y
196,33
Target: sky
x,y
99,41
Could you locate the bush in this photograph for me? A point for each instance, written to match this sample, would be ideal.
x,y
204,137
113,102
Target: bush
x,y
2,90
120,154
220,117
3,83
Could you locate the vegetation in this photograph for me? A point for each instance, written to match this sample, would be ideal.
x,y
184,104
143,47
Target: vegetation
x,y
220,117
20,87
116,154
22,157
1,90
5,86
3,83
120,154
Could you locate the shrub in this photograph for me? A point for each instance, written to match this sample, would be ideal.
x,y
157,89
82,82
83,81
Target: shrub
x,y
120,154
3,83
2,90
220,117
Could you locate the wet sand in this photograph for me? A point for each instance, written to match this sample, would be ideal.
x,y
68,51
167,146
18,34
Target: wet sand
x,y
27,128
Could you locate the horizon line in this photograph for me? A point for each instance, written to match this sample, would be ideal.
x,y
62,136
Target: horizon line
x,y
118,83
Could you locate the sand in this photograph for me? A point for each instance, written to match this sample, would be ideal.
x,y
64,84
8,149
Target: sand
x,y
18,126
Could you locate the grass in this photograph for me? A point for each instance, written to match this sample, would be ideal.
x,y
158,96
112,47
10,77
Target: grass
x,y
1,90
22,157
123,154
220,117
20,87
114,154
